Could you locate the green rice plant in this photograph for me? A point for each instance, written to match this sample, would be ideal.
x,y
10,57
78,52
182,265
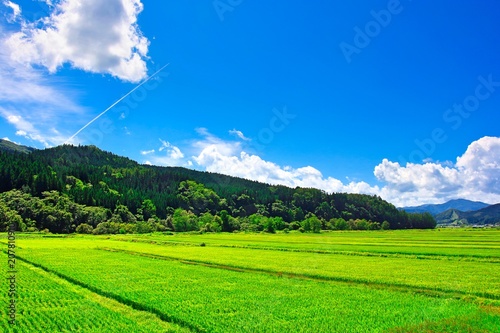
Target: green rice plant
x,y
393,281
207,299
47,303
479,279
467,243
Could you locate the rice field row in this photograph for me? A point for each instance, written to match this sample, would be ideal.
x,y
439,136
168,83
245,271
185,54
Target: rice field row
x,y
215,300
468,278
331,282
475,279
47,303
451,243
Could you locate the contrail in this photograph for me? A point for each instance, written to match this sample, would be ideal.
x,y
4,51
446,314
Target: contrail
x,y
112,105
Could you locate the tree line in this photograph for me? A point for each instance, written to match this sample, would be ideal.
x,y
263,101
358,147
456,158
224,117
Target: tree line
x,y
70,186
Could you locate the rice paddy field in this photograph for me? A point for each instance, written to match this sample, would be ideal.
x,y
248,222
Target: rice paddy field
x,y
376,281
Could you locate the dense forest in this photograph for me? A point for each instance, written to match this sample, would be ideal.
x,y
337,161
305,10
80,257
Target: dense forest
x,y
84,189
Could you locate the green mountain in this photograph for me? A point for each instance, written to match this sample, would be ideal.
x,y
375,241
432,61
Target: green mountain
x,y
67,186
458,204
486,216
9,146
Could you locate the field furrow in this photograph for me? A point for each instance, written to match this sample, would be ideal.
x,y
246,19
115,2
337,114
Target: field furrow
x,y
46,303
222,301
467,277
372,283
331,282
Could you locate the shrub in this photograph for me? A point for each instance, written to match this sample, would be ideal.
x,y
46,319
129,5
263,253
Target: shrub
x,y
84,228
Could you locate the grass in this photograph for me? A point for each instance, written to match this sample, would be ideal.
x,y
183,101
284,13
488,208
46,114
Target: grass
x,y
443,281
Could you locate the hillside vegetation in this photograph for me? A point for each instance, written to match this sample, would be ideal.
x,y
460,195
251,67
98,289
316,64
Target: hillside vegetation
x,y
84,189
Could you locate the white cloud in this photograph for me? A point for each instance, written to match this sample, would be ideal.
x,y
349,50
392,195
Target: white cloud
x,y
92,35
25,128
480,165
16,11
176,153
172,151
25,85
96,36
33,104
170,156
475,176
147,152
239,134
216,155
418,176
228,148
164,145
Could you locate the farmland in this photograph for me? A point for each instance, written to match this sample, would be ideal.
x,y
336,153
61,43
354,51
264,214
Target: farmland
x,y
383,281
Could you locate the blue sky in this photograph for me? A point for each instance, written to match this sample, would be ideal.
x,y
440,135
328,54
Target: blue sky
x,y
334,95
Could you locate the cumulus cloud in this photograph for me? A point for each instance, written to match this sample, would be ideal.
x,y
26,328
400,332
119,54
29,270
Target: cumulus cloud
x,y
475,176
417,176
95,36
480,165
228,148
227,157
92,35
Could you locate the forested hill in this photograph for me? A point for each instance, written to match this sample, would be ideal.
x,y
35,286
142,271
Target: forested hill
x,y
489,216
6,145
85,185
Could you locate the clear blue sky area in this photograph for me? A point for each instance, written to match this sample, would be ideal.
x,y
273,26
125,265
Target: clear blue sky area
x,y
337,86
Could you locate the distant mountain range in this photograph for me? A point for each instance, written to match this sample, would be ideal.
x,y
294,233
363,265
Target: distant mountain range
x,y
489,215
458,204
461,212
